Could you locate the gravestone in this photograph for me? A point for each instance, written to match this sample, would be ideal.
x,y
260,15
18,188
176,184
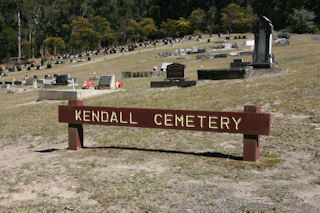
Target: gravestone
x,y
164,66
29,82
249,43
221,74
227,45
73,84
175,77
282,42
17,82
204,56
5,86
201,49
62,80
137,74
262,56
233,53
239,64
194,49
220,55
107,82
176,71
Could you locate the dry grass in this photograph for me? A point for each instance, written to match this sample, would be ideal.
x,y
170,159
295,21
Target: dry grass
x,y
150,170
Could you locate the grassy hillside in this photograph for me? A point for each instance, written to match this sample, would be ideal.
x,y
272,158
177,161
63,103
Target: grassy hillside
x,y
154,170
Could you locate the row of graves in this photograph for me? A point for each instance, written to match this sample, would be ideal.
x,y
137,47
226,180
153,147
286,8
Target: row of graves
x,y
182,51
262,58
262,62
47,81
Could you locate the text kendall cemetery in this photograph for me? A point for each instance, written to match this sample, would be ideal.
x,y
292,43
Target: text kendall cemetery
x,y
231,122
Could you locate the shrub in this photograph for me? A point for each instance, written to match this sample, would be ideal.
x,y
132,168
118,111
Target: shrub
x,y
301,21
286,35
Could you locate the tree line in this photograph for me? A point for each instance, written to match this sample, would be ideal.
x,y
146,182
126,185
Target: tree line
x,y
33,28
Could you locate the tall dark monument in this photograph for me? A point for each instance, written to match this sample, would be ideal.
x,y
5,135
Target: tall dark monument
x,y
262,55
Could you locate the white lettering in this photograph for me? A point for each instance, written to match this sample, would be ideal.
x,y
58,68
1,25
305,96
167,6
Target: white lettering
x,y
212,123
131,121
201,119
106,117
236,122
168,119
155,118
179,119
78,115
114,117
95,116
86,115
224,121
122,121
189,120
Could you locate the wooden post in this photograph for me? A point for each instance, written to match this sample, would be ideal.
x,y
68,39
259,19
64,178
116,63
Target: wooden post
x,y
75,131
251,143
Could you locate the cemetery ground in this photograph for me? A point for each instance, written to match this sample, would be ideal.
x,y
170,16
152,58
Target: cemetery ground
x,y
156,170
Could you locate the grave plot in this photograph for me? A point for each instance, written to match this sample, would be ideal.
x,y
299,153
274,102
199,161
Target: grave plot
x,y
175,77
262,58
107,82
136,74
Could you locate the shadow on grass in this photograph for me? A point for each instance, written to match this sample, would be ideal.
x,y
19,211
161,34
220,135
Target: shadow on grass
x,y
47,150
204,154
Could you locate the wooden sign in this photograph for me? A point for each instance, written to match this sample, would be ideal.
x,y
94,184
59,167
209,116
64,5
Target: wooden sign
x,y
250,122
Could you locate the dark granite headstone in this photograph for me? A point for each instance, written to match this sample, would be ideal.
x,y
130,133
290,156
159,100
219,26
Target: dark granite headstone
x,y
107,82
17,82
221,74
176,71
262,56
239,64
126,74
62,80
201,49
182,83
220,55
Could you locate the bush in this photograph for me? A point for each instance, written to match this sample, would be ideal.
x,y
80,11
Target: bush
x,y
286,35
301,21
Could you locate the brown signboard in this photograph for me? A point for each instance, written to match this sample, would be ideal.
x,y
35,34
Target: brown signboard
x,y
230,122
